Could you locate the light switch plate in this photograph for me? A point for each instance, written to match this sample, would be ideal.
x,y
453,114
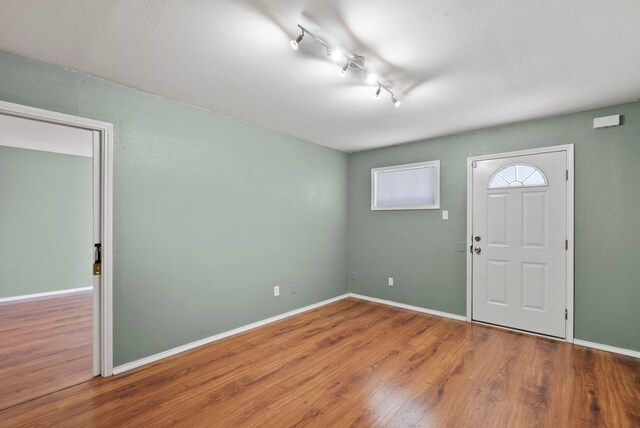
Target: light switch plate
x,y
445,215
276,291
391,282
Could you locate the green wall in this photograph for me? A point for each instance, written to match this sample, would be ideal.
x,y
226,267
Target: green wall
x,y
427,257
210,212
46,227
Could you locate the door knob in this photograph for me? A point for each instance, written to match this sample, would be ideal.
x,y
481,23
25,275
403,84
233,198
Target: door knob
x,y
477,250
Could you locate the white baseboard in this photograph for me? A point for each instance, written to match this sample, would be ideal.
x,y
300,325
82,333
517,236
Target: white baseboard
x,y
607,348
409,307
48,293
156,357
153,358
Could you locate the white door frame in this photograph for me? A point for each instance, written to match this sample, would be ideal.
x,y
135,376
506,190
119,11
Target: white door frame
x,y
105,344
568,148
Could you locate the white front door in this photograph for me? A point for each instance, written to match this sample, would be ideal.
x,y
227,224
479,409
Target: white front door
x,y
519,242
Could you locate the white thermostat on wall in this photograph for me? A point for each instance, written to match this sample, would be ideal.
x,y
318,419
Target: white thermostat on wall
x,y
606,121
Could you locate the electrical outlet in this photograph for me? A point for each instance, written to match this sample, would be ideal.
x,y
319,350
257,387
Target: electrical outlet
x,y
294,289
276,291
390,282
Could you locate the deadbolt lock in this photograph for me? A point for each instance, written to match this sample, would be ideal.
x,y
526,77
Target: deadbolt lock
x,y
477,238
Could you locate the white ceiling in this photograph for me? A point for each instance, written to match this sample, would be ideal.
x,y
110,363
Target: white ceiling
x,y
33,134
457,65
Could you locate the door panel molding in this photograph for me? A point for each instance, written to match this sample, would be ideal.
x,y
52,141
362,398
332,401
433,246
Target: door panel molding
x,y
471,163
105,135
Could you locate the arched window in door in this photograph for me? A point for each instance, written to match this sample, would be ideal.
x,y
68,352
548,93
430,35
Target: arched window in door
x,y
517,175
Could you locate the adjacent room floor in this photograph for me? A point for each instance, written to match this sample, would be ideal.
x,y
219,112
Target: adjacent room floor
x,y
45,346
356,363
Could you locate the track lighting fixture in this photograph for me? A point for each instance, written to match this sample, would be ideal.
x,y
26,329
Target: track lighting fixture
x,y
353,61
296,42
344,69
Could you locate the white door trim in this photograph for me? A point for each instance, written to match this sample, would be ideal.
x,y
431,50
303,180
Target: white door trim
x,y
568,148
106,194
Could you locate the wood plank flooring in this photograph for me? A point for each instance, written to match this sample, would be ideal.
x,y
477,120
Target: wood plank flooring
x,y
356,363
45,345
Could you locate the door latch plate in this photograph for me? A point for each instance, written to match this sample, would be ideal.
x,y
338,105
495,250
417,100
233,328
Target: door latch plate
x,y
97,264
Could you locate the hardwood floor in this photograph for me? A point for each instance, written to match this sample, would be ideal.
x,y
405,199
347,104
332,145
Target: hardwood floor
x,y
45,345
356,363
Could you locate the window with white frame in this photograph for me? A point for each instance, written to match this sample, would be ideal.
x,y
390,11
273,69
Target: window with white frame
x,y
414,186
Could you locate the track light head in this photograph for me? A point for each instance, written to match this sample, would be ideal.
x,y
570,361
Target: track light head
x,y
396,102
343,70
377,94
296,42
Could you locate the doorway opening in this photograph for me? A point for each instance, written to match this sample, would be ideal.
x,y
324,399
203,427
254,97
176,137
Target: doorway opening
x,y
55,251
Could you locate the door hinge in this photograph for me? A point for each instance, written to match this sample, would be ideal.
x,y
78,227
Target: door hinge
x,y
567,175
566,244
474,164
566,314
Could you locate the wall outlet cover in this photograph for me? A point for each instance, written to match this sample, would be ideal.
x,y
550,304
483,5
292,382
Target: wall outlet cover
x,y
276,291
390,282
